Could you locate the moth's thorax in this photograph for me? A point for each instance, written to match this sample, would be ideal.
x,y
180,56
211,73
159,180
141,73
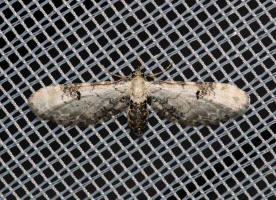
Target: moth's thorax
x,y
138,89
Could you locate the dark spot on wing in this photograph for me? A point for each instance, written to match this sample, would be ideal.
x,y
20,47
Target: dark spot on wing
x,y
205,88
197,94
78,95
72,90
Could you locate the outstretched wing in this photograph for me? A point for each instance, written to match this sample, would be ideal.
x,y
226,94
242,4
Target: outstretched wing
x,y
81,103
190,103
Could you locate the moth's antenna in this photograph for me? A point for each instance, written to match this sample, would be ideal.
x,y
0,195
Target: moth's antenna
x,y
141,62
153,75
118,75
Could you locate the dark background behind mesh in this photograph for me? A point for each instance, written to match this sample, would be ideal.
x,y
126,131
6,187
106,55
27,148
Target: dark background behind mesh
x,y
56,42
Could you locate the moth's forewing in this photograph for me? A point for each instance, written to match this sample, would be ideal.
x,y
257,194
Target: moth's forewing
x,y
191,103
82,103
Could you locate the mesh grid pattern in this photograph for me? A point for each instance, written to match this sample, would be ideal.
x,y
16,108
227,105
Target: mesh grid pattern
x,y
56,42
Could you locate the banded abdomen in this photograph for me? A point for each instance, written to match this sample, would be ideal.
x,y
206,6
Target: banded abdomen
x,y
137,116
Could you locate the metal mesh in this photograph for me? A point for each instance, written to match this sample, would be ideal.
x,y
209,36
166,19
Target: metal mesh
x,y
53,42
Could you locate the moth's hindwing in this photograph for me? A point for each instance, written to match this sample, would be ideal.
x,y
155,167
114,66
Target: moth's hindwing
x,y
82,103
190,103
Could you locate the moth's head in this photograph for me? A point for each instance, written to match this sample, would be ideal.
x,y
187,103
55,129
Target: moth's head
x,y
138,73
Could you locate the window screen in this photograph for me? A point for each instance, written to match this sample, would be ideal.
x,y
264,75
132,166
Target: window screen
x,y
57,42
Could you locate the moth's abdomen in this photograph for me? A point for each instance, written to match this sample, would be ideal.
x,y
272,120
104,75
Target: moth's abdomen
x,y
137,116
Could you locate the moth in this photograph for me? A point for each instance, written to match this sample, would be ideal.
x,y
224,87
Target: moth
x,y
187,103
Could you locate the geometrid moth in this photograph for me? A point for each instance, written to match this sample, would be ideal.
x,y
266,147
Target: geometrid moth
x,y
187,103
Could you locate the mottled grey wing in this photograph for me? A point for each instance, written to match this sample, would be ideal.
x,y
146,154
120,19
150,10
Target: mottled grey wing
x,y
82,103
190,103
